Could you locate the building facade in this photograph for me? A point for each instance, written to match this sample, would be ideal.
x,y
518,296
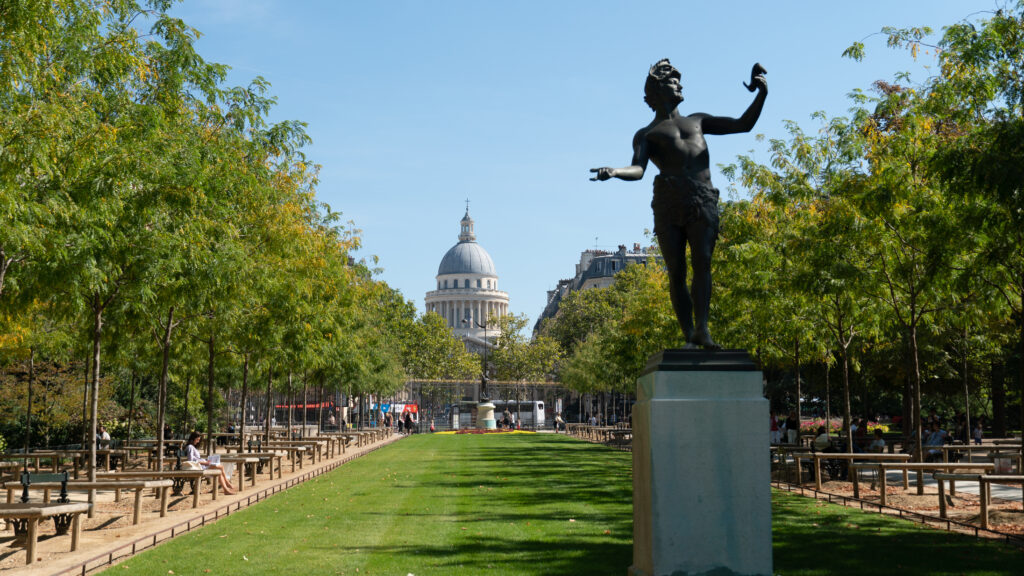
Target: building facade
x,y
596,269
467,293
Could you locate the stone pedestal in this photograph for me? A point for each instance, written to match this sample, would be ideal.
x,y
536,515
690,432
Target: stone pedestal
x,y
701,467
485,416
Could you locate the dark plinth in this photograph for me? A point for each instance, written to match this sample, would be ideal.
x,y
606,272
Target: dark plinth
x,y
677,360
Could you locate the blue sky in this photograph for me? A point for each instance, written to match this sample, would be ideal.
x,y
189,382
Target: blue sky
x,y
415,106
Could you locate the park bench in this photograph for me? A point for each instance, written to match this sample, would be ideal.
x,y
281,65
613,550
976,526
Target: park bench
x,y
244,464
817,457
984,481
316,449
178,477
91,487
268,461
882,467
258,447
25,516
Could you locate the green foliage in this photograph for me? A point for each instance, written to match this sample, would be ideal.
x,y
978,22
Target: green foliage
x,y
515,358
611,332
155,218
433,352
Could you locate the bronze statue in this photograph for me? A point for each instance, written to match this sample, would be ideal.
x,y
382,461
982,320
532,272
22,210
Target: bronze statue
x,y
685,203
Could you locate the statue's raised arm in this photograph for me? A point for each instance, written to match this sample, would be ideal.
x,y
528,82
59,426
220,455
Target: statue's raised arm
x,y
745,123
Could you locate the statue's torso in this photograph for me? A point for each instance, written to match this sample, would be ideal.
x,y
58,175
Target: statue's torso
x,y
677,147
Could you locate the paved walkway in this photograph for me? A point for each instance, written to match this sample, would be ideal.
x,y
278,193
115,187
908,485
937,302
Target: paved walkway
x,y
1003,491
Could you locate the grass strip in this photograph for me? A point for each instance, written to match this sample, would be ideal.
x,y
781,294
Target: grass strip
x,y
523,504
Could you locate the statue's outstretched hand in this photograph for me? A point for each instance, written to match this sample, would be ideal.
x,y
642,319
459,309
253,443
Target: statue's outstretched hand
x,y
602,173
759,82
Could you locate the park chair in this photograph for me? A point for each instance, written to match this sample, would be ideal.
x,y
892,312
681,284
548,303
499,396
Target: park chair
x,y
61,522
258,444
28,477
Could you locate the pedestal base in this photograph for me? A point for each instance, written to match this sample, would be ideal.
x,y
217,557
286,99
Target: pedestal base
x,y
701,467
485,416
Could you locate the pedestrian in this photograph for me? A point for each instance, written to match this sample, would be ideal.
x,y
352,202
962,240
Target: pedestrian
x,y
102,438
977,432
792,428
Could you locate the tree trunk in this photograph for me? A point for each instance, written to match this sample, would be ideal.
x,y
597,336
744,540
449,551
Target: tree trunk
x,y
211,347
161,403
291,404
828,396
270,407
31,381
185,424
305,404
967,396
245,394
1020,373
97,332
131,405
998,400
797,373
919,449
85,403
846,398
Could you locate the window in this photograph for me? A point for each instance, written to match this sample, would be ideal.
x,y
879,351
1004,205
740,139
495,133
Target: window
x,y
438,284
479,283
445,283
467,283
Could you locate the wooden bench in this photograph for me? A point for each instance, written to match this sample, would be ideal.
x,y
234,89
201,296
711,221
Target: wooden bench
x,y
177,477
314,448
906,467
817,457
294,452
26,517
243,463
91,487
268,461
984,481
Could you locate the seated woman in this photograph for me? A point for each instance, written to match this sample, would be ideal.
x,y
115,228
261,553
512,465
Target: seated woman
x,y
192,450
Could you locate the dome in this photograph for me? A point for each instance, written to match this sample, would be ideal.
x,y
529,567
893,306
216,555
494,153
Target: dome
x,y
467,258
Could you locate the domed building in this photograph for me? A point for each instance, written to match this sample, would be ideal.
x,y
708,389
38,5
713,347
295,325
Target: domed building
x,y
467,292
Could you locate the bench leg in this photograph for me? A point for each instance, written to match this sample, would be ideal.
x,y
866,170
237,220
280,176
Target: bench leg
x,y
30,543
92,502
138,506
942,499
856,482
76,531
163,501
197,485
881,486
984,503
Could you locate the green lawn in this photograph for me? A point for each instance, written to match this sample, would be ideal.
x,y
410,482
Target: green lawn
x,y
520,504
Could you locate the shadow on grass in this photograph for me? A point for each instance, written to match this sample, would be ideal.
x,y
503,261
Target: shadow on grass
x,y
813,538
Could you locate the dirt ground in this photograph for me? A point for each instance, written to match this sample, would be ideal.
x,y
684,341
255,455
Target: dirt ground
x,y
111,526
1004,516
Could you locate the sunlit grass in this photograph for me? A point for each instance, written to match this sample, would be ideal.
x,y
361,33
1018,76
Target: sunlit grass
x,y
523,504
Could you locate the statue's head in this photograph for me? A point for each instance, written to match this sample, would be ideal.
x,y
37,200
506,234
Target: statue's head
x,y
659,79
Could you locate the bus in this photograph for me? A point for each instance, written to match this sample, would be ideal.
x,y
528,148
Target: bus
x,y
529,413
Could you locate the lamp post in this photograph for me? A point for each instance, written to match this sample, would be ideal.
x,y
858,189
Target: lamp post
x,y
483,368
